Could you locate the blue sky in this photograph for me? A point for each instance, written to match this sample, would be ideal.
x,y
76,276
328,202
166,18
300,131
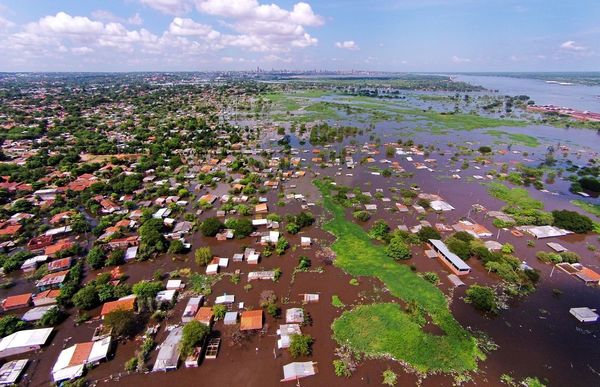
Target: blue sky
x,y
388,35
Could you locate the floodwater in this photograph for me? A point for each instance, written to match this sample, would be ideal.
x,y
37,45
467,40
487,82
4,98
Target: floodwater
x,y
574,96
536,335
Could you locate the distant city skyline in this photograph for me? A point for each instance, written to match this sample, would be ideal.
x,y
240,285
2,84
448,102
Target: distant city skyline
x,y
379,35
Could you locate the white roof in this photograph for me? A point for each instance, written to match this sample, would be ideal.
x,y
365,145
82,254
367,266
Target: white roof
x,y
28,338
37,313
10,371
212,268
450,256
64,369
173,284
168,355
298,370
166,295
440,205
225,299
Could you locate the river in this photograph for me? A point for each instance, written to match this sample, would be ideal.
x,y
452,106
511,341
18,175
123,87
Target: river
x,y
574,96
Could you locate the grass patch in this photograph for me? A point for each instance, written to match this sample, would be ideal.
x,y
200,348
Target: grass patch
x,y
590,208
518,138
384,330
336,302
524,209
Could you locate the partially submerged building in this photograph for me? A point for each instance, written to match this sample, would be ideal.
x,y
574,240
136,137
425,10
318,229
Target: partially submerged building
x,y
451,260
24,341
168,355
72,361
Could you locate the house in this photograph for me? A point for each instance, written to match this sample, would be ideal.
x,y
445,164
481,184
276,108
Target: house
x,y
24,341
39,243
37,313
52,280
124,243
124,303
477,230
251,320
584,314
174,285
212,269
17,302
294,316
191,309
63,244
59,264
440,205
305,242
451,260
205,315
541,232
168,355
261,208
11,371
285,332
298,370
230,318
31,264
166,296
588,276
46,297
62,217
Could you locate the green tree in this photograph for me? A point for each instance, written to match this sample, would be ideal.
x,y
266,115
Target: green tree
x,y
194,333
96,257
147,289
11,324
572,221
211,227
398,249
427,233
86,298
300,345
122,322
389,378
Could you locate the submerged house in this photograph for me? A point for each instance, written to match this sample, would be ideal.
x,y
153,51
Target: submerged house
x,y
451,260
24,341
168,355
72,361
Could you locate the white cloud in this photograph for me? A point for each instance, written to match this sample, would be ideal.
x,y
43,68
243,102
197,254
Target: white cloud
x,y
106,16
276,58
170,7
135,20
572,46
457,59
82,50
188,27
5,23
347,45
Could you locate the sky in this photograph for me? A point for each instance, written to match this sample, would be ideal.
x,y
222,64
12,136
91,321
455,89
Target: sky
x,y
379,35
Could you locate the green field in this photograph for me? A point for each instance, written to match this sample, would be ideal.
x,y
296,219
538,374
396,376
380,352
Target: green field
x,y
517,138
386,330
590,208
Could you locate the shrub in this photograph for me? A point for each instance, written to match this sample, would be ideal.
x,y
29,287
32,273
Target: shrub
x,y
219,311
147,289
203,256
362,215
11,324
95,257
380,230
336,302
300,345
341,369
431,277
427,233
482,298
389,378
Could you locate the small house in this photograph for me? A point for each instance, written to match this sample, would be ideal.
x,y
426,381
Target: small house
x,y
251,320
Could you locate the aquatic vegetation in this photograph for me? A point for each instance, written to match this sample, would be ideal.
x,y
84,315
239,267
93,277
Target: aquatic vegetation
x,y
517,138
384,330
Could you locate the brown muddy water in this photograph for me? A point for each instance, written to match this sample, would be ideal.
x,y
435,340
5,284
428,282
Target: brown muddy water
x,y
536,335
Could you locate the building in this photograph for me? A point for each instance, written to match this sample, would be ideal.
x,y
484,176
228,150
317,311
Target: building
x,y
24,341
72,361
451,260
124,303
17,302
11,371
584,314
294,315
298,370
52,280
251,320
205,315
168,355
286,331
191,309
